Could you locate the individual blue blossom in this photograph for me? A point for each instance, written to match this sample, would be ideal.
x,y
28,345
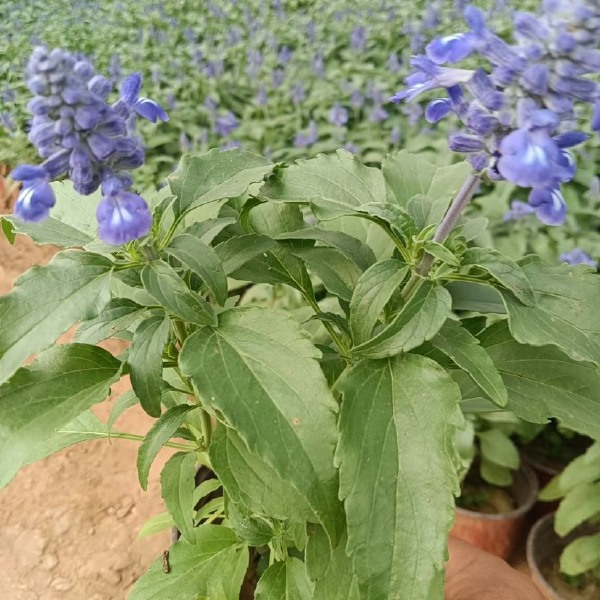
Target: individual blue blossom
x,y
298,93
261,96
578,257
308,138
78,133
394,64
518,210
8,122
225,124
254,61
318,64
518,118
213,69
284,55
278,77
114,69
358,38
185,143
8,95
338,115
357,100
378,114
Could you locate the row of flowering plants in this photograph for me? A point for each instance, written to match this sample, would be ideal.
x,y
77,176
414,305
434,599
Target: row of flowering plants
x,y
331,429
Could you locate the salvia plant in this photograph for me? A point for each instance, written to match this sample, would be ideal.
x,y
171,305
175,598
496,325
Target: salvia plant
x,y
325,428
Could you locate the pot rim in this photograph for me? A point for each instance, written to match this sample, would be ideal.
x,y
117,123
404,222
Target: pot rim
x,y
521,510
539,578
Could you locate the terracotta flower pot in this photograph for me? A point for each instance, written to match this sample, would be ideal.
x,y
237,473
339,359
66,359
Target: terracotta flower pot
x,y
499,534
544,548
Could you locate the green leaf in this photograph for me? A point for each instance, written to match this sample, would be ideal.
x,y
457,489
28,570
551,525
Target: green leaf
x,y
495,474
251,482
338,582
502,269
544,383
334,185
274,218
286,580
177,484
464,350
46,301
8,229
338,273
498,448
237,251
162,431
475,297
427,211
398,463
418,321
208,230
373,291
72,223
259,362
156,524
255,531
163,283
352,248
215,175
201,259
124,401
408,175
214,564
565,314
581,556
583,469
50,395
119,314
579,505
145,362
440,252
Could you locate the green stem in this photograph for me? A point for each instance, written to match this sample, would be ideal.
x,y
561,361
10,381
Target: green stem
x,y
206,425
339,342
179,329
448,223
132,437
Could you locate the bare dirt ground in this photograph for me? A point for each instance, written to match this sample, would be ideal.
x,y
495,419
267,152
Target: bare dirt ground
x,y
68,524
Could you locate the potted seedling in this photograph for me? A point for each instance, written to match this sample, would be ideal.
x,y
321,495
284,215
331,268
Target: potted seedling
x,y
563,549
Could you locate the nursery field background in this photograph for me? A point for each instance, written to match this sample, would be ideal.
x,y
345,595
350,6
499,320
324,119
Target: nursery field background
x,y
288,79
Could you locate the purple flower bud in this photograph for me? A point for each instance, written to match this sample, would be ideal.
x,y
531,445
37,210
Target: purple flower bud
x,y
100,86
463,142
451,48
357,100
535,79
123,217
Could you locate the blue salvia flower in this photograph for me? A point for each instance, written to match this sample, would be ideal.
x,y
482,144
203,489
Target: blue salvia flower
x,y
261,96
358,38
277,78
338,115
518,118
357,100
8,95
318,64
378,114
254,60
394,64
308,138
225,124
298,93
284,55
78,133
578,257
8,122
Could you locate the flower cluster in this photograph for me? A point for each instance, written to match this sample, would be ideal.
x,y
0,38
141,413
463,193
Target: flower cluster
x,y
78,133
519,118
577,256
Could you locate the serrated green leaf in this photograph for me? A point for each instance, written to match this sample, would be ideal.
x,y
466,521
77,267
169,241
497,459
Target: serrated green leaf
x,y
338,273
418,321
373,291
426,211
177,486
398,464
251,482
285,580
440,252
502,269
498,448
581,555
334,185
47,396
156,524
124,401
215,175
354,249
163,283
274,218
208,230
566,310
408,175
464,350
201,259
119,314
46,301
579,505
214,564
544,383
145,362
161,432
258,360
235,252
255,531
